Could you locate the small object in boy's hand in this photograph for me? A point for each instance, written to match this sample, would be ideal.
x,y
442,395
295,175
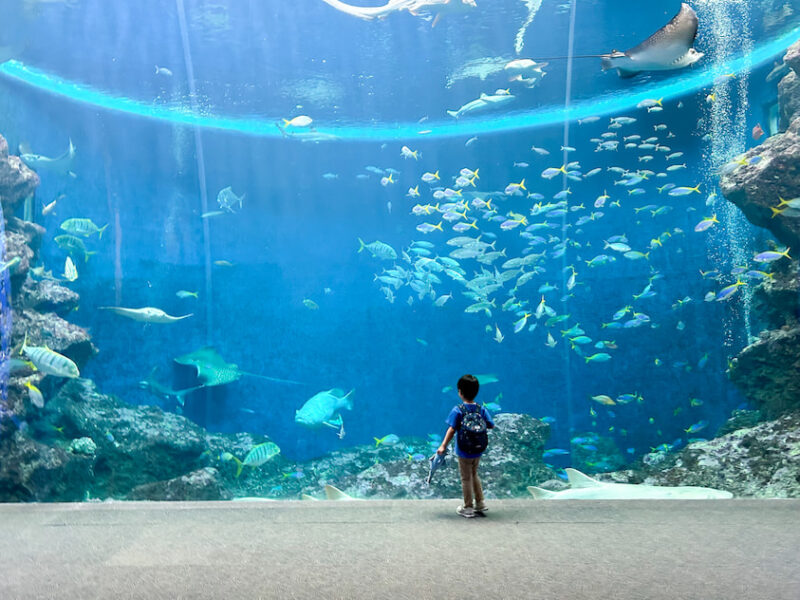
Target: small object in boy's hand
x,y
437,460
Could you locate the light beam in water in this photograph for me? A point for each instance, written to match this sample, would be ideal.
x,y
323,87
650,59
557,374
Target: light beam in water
x,y
615,103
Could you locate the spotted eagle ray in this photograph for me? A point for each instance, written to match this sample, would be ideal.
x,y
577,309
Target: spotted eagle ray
x,y
415,7
668,48
213,370
586,488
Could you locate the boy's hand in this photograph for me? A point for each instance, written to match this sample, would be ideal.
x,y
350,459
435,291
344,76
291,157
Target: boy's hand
x,y
442,449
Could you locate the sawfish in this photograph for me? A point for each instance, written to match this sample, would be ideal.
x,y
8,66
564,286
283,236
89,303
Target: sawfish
x,y
668,48
213,370
586,488
148,314
415,7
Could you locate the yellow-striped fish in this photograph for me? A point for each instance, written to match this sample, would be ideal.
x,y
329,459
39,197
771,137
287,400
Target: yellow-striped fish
x,y
260,454
49,361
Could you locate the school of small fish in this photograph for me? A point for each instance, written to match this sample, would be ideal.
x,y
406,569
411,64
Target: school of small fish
x,y
515,256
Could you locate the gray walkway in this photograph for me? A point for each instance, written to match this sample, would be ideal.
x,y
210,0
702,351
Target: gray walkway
x,y
731,550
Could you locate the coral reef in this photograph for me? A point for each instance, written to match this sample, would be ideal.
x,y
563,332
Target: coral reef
x,y
756,186
17,181
511,463
768,370
36,471
87,445
135,444
762,461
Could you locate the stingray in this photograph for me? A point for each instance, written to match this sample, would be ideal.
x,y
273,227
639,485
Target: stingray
x,y
213,370
668,48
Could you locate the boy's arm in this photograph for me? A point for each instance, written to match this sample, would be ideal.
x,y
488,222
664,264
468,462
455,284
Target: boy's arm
x,y
447,437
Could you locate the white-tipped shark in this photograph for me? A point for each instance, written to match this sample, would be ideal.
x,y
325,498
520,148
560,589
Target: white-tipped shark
x,y
415,7
668,48
586,488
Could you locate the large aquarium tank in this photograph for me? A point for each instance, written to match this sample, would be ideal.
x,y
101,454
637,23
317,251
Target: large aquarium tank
x,y
249,248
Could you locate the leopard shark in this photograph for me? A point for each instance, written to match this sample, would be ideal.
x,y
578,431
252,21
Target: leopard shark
x,y
668,48
433,8
586,488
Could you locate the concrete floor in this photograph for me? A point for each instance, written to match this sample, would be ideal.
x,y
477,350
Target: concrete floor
x,y
732,550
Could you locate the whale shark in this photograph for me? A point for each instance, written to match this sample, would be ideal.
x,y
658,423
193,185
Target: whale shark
x,y
424,8
668,48
586,488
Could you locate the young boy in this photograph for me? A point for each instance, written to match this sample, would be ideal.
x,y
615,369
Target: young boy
x,y
468,387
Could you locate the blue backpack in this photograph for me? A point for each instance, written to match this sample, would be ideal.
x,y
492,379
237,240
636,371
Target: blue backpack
x,y
473,436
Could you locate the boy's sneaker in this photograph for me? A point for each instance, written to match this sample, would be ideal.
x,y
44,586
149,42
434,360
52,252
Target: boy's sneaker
x,y
466,511
480,508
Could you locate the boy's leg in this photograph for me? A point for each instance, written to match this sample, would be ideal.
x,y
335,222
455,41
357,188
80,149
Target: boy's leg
x,y
476,483
465,466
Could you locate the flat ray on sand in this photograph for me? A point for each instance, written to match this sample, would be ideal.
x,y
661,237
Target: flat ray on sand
x,y
213,370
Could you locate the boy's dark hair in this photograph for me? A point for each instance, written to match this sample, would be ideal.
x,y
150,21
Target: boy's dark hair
x,y
468,385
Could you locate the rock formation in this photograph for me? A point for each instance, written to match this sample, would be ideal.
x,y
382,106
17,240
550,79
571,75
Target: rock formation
x,y
762,461
768,370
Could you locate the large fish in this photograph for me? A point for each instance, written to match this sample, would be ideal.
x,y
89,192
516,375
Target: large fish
x,y
319,410
148,314
227,199
415,7
61,165
213,370
158,389
482,103
668,48
49,361
586,488
308,136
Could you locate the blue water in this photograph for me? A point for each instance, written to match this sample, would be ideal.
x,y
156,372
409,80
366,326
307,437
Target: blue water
x,y
297,232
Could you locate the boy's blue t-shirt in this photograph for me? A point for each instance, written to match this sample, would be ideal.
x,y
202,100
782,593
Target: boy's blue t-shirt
x,y
454,421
